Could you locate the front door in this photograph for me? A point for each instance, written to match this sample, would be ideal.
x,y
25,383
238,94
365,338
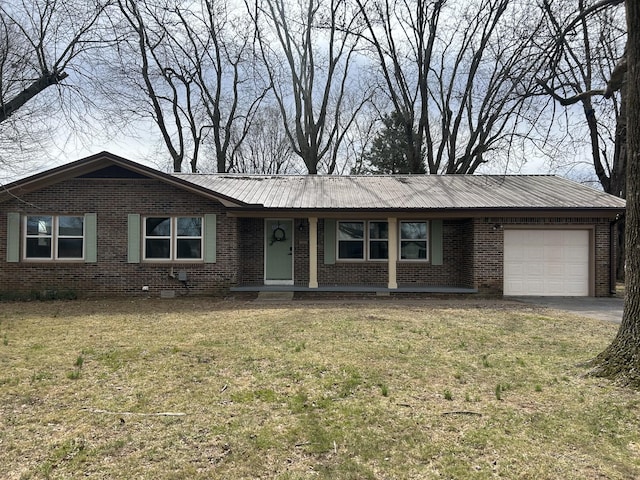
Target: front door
x,y
278,252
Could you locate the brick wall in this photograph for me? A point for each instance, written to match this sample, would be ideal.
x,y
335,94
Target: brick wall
x,y
112,200
454,272
488,249
251,247
472,255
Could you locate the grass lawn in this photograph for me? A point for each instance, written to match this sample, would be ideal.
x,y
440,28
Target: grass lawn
x,y
193,388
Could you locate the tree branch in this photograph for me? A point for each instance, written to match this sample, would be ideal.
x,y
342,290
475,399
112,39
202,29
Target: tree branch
x,y
42,83
564,101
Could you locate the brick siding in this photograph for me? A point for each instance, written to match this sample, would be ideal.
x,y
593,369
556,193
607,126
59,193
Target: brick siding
x,y
112,200
488,249
473,249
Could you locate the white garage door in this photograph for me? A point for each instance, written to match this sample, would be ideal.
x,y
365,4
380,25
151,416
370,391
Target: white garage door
x,y
546,262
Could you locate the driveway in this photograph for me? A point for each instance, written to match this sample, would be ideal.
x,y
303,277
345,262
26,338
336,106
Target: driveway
x,y
606,308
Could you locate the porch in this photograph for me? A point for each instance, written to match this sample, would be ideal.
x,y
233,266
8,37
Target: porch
x,y
378,290
306,256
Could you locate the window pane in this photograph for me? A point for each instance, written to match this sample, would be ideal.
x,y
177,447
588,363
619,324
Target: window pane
x,y
39,225
189,226
38,248
189,248
350,230
157,248
378,230
413,230
350,249
158,226
378,250
413,250
70,226
70,248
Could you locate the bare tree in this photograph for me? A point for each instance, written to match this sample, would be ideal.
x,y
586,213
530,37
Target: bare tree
x,y
266,149
39,41
587,41
43,44
586,44
309,50
460,78
192,75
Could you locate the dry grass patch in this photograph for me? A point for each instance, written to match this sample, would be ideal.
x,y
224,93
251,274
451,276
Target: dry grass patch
x,y
200,389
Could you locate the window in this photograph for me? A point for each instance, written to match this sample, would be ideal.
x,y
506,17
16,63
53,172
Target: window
x,y
173,238
413,240
356,238
351,240
51,237
378,240
360,240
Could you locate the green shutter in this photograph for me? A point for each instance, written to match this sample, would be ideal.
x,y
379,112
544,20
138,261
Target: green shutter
x,y
133,232
329,241
210,238
436,242
13,237
90,238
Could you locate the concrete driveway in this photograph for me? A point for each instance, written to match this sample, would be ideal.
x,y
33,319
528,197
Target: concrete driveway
x,y
606,309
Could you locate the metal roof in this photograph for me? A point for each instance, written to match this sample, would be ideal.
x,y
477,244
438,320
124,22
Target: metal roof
x,y
394,192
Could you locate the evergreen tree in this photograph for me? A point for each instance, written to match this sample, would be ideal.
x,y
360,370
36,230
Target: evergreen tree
x,y
388,152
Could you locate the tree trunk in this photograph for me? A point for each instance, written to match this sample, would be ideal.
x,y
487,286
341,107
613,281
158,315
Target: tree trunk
x,y
621,360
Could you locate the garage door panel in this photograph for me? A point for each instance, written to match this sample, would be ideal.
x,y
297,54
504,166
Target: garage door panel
x,y
514,254
576,270
552,238
514,271
534,270
554,286
576,254
552,254
534,253
546,262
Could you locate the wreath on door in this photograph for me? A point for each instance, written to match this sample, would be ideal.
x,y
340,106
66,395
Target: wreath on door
x,y
278,235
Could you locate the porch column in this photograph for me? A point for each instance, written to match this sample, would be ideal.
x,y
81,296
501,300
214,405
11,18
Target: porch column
x,y
393,251
313,252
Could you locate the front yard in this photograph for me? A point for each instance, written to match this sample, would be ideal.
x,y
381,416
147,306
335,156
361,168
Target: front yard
x,y
192,388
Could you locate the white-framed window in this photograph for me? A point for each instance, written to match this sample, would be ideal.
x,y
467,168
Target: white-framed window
x,y
369,240
378,240
54,237
414,240
363,240
172,238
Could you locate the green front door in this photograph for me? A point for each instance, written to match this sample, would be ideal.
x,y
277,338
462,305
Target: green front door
x,y
278,252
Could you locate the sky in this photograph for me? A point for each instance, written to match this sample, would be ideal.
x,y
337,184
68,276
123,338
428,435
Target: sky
x,y
148,151
141,144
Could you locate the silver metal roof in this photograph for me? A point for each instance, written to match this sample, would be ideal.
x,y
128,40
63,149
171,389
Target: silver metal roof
x,y
392,192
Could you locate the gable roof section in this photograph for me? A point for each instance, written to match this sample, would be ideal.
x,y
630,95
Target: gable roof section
x,y
408,192
106,165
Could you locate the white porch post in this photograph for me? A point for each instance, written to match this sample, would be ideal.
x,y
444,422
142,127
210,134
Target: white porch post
x,y
313,252
393,251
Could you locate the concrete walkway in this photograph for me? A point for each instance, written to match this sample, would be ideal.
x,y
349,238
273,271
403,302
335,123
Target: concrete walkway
x,y
606,309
